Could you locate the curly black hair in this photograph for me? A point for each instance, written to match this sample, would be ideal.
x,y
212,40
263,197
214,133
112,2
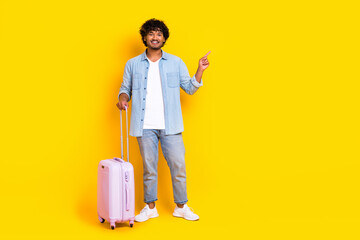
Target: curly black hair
x,y
153,25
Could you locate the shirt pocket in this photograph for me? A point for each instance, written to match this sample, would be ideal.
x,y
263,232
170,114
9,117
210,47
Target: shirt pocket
x,y
173,80
136,83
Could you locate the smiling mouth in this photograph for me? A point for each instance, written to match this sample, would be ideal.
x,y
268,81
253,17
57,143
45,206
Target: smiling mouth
x,y
155,42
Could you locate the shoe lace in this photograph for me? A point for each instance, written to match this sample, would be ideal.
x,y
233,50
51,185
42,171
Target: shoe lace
x,y
189,209
145,209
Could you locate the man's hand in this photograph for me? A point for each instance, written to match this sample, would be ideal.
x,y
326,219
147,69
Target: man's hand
x,y
204,62
123,101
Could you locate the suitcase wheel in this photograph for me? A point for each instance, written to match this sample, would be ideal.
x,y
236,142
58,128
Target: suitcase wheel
x,y
131,223
112,226
101,219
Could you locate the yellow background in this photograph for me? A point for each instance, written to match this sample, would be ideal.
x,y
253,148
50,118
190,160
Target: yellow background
x,y
272,138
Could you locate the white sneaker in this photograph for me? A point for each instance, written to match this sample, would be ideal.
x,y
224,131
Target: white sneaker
x,y
146,213
186,213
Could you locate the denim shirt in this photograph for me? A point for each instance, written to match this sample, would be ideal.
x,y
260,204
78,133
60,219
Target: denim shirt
x,y
174,74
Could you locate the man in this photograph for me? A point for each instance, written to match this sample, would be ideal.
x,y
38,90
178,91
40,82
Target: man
x,y
153,80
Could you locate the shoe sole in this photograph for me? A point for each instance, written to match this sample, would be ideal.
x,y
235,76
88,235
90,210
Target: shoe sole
x,y
153,216
182,216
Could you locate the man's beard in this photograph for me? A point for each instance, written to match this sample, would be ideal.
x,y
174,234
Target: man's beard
x,y
156,48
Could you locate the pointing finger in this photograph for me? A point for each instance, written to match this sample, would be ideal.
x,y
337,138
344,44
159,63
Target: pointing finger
x,y
207,54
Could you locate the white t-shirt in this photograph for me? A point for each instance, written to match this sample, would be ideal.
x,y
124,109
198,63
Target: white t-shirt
x,y
154,108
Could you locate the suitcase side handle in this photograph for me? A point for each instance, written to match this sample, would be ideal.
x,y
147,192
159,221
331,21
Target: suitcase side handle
x,y
127,135
118,159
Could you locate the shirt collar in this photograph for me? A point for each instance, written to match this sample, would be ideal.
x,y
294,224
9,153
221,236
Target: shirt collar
x,y
164,55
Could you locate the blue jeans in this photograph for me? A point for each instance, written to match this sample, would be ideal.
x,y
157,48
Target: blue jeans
x,y
174,153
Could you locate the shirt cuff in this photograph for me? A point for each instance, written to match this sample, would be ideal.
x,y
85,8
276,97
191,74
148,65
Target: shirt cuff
x,y
196,83
123,91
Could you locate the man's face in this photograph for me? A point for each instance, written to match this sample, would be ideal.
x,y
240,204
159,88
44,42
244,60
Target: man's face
x,y
155,40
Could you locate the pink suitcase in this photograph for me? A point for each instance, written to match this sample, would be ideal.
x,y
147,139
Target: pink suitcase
x,y
115,188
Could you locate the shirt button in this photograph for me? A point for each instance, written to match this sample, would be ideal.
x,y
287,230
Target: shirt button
x,y
145,77
143,98
141,120
144,88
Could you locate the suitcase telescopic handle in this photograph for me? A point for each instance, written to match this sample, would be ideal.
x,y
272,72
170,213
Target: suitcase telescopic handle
x,y
127,135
